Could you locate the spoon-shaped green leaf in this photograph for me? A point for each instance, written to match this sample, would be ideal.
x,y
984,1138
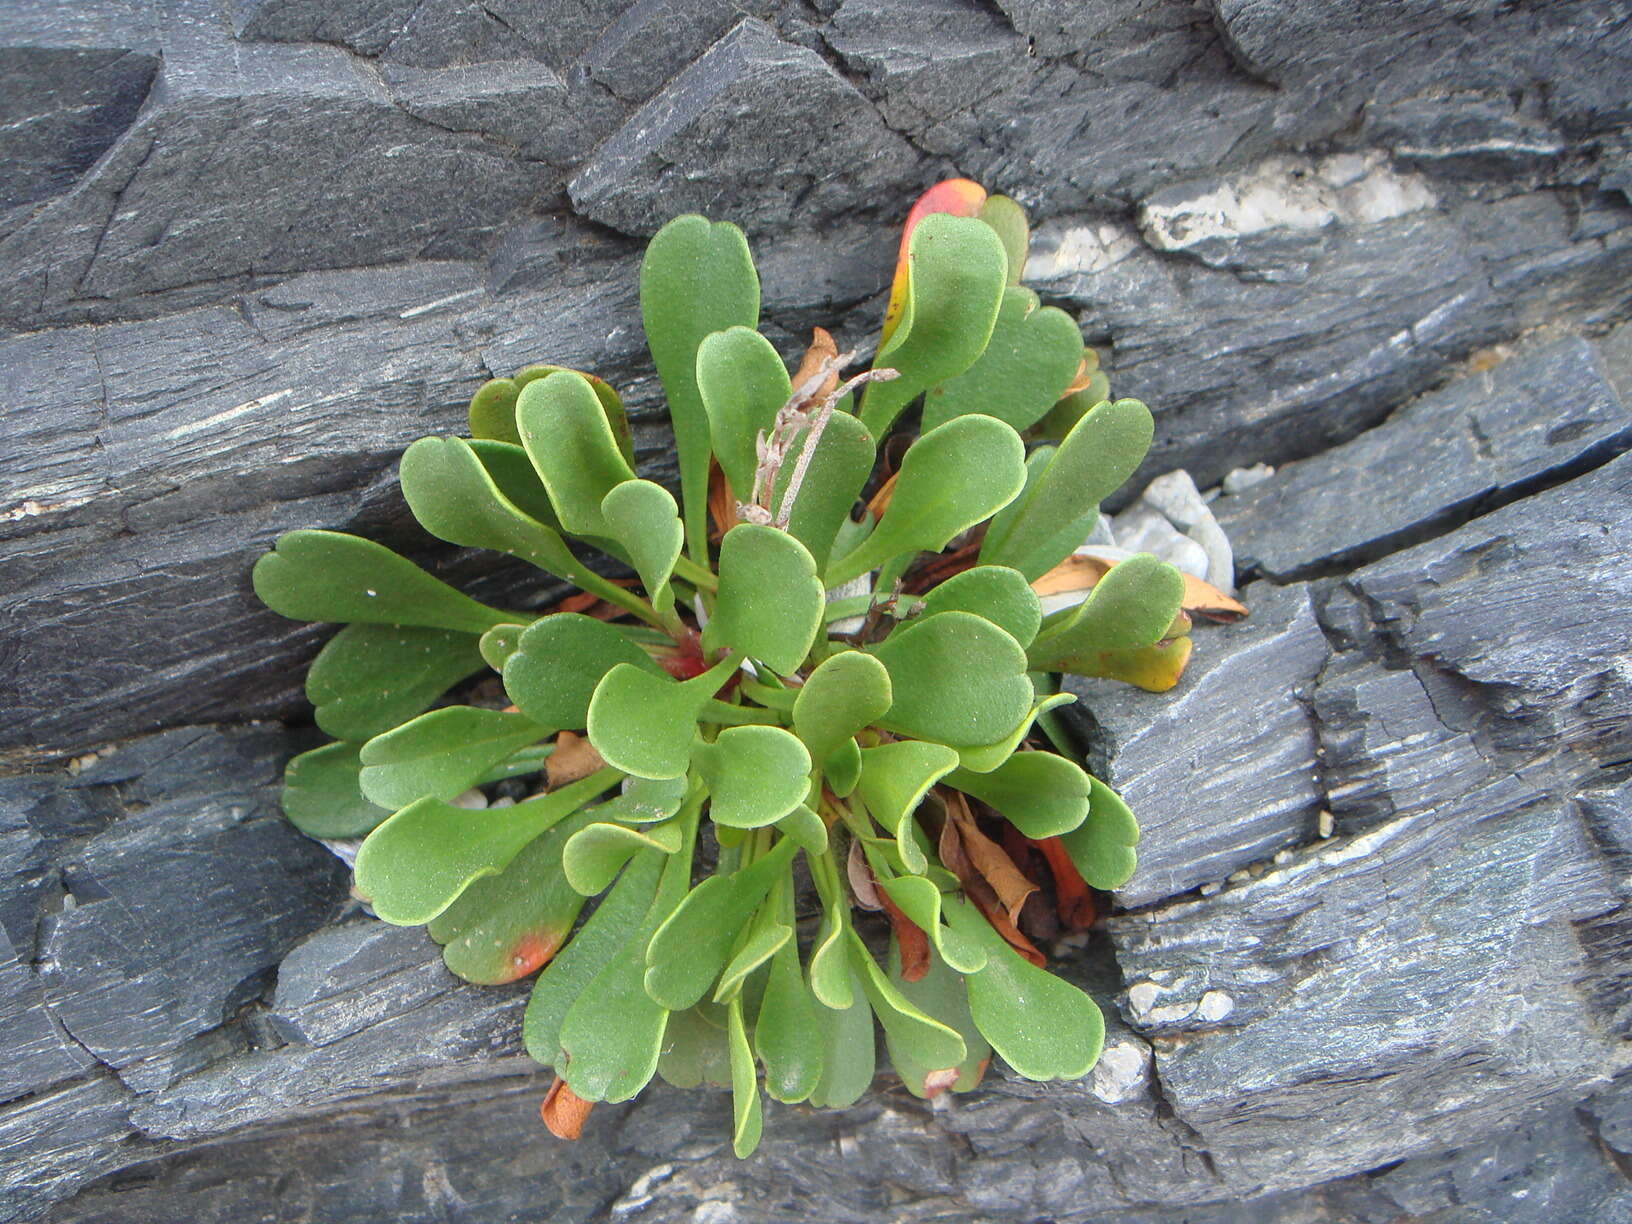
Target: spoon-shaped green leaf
x,y
839,467
957,679
499,643
1000,594
569,441
926,1039
694,1049
805,827
696,278
644,723
558,662
940,993
644,801
417,863
846,692
989,756
747,1113
1041,794
505,926
742,382
770,601
894,780
1030,360
755,775
690,949
951,478
955,274
788,1035
848,1046
1062,504
1132,605
610,928
842,769
1006,217
516,479
454,498
830,971
765,936
920,900
1056,1034
322,796
442,753
643,518
1102,846
612,1036
370,678
597,852
493,408
330,576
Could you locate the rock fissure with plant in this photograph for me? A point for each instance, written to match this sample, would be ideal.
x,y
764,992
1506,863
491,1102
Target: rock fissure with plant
x,y
834,646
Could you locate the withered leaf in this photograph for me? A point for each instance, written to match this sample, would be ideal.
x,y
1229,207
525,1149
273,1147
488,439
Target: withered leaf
x,y
574,758
564,1111
1083,570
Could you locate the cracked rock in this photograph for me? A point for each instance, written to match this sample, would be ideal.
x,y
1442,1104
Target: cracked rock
x,y
1546,411
1221,771
690,147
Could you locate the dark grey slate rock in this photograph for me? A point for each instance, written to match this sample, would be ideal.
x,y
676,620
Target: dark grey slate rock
x,y
926,61
692,146
523,104
1401,992
363,1008
1279,370
1551,1168
1544,413
187,196
651,41
173,914
54,1142
365,26
1221,770
61,109
38,1052
1549,679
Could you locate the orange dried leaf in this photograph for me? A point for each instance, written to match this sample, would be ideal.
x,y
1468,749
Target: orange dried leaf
x,y
1072,899
574,758
937,1082
912,942
959,197
722,500
822,349
880,501
1007,881
1083,571
1083,378
564,1111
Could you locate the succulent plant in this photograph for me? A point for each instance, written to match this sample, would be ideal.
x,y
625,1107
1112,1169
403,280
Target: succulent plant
x,y
833,650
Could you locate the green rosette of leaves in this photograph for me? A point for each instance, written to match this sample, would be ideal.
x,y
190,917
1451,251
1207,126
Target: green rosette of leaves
x,y
846,662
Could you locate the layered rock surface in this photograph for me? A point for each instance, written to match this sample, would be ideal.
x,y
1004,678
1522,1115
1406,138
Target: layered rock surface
x,y
1377,961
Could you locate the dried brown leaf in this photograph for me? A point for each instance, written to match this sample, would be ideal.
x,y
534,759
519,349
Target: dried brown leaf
x,y
574,758
1083,571
821,350
860,875
1007,881
564,1111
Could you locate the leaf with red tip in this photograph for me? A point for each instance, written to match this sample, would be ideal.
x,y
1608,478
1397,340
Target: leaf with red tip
x,y
960,197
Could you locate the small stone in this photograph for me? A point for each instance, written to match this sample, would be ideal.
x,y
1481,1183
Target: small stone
x,y
1239,480
1142,997
1122,1072
1142,528
1176,497
1214,1005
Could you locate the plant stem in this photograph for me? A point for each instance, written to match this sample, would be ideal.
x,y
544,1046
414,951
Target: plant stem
x,y
699,576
